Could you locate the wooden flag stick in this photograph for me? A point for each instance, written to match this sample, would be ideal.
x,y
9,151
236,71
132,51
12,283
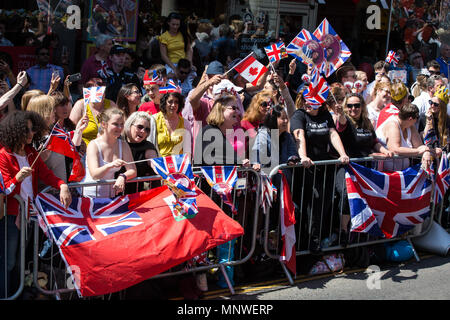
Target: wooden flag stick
x,y
44,146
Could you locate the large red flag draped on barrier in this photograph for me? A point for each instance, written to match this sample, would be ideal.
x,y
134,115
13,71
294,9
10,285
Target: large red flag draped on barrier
x,y
112,244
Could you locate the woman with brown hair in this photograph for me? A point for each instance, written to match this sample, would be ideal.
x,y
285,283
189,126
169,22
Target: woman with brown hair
x,y
128,99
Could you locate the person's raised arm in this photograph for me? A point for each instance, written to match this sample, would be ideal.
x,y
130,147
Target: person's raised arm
x,y
8,96
198,92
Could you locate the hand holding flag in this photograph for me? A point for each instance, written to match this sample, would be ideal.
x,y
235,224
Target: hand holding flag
x,y
392,58
250,69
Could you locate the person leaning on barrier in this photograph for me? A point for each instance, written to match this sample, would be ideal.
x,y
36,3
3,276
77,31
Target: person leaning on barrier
x,y
21,168
400,136
359,140
106,155
137,129
214,139
314,131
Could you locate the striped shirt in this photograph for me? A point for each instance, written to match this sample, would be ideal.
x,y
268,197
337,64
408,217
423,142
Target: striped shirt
x,y
41,77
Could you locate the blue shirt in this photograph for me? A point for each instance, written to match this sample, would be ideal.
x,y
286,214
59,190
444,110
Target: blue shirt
x,y
41,77
444,66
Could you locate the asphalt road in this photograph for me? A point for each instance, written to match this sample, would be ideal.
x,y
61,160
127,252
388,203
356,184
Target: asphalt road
x,y
427,279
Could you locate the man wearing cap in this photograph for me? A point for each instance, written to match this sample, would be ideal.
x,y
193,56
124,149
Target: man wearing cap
x,y
98,65
118,75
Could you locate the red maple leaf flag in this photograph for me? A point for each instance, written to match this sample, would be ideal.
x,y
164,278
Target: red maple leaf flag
x,y
112,244
250,69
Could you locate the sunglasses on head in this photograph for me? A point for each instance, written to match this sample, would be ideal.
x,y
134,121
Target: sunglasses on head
x,y
354,105
432,103
141,127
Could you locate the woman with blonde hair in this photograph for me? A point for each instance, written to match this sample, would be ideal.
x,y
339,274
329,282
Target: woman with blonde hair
x,y
214,139
27,97
257,111
44,105
107,155
436,119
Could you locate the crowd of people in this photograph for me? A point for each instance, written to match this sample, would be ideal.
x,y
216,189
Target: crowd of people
x,y
215,116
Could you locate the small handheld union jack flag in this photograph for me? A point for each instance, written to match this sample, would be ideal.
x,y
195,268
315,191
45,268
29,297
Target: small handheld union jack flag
x,y
171,87
93,94
317,91
392,58
222,179
276,52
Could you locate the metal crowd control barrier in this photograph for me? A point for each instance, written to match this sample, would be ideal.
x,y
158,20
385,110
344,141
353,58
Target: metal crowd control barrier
x,y
301,191
21,257
241,199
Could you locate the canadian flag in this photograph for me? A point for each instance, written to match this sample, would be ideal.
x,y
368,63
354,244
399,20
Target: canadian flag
x,y
287,218
250,69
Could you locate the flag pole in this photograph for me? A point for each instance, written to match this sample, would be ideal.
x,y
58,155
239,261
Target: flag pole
x,y
251,53
44,145
389,29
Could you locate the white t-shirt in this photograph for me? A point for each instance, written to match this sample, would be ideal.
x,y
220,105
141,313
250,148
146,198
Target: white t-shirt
x,y
422,102
26,188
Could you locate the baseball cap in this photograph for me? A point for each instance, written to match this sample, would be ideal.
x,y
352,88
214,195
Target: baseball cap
x,y
117,49
215,67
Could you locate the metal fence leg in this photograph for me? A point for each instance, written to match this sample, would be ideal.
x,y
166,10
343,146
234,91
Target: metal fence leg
x,y
288,274
225,275
414,250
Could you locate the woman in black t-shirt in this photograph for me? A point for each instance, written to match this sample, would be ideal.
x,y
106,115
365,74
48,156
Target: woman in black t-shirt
x,y
355,129
314,130
137,128
359,139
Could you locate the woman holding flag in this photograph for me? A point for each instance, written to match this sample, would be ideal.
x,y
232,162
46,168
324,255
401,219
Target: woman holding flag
x,y
107,155
22,167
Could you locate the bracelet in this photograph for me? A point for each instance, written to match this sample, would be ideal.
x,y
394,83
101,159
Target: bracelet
x,y
20,84
123,176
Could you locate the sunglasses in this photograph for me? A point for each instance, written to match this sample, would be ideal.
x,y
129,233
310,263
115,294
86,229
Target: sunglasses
x,y
432,103
183,72
234,108
136,92
140,127
354,105
438,73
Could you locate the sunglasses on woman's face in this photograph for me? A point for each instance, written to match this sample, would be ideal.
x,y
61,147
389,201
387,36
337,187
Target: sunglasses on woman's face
x,y
354,105
432,103
140,127
234,108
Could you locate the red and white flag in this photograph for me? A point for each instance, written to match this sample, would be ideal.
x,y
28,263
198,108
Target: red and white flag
x,y
287,218
250,69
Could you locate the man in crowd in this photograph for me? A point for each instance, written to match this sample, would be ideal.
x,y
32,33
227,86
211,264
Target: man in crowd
x,y
381,69
185,75
346,74
98,65
41,73
434,68
118,75
443,59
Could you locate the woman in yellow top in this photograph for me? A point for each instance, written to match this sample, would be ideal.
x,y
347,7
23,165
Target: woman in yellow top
x,y
174,44
92,111
172,132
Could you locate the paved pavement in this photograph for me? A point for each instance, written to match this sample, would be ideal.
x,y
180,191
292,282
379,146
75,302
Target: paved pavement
x,y
427,279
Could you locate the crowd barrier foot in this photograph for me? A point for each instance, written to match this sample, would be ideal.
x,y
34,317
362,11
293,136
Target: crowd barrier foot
x,y
437,240
414,250
288,274
227,279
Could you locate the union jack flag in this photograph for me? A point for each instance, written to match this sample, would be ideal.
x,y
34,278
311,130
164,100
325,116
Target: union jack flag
x,y
268,191
442,179
387,203
222,179
317,91
171,87
93,94
276,51
104,71
306,48
430,138
392,58
177,172
86,219
154,79
336,51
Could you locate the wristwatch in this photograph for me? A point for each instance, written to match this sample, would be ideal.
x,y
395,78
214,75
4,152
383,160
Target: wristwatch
x,y
123,175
